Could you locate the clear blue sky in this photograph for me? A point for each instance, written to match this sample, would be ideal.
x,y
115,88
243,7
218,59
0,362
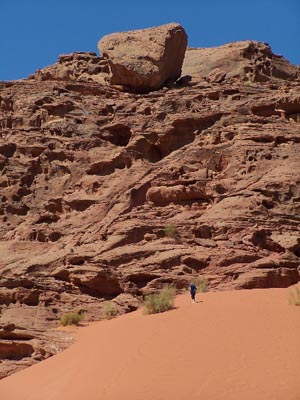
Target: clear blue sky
x,y
33,33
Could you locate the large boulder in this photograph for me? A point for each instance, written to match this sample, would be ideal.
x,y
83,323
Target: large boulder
x,y
145,59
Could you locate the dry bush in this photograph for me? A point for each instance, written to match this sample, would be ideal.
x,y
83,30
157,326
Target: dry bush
x,y
294,298
160,302
109,310
200,283
71,318
170,231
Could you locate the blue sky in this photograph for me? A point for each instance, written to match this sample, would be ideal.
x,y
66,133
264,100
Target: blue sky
x,y
33,33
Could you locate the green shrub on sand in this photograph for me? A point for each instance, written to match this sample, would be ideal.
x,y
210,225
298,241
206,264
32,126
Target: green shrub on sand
x,y
294,298
160,302
109,310
200,283
71,318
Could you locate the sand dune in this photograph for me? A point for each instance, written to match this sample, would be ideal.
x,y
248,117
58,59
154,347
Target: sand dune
x,y
229,345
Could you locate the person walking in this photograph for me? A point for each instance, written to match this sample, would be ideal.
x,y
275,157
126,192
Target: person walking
x,y
193,290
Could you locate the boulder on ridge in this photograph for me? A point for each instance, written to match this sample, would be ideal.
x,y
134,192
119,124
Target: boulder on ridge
x,y
145,59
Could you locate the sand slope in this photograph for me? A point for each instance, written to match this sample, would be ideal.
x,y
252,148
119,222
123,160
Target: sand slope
x,y
232,345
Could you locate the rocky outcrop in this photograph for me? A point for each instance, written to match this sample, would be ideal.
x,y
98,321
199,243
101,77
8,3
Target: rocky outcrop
x,y
75,67
249,60
145,59
176,193
107,196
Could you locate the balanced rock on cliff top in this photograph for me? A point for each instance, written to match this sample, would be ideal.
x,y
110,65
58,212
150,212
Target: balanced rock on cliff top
x,y
145,59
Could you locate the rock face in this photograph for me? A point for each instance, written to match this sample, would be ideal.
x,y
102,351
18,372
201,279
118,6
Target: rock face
x,y
76,67
92,177
247,60
145,59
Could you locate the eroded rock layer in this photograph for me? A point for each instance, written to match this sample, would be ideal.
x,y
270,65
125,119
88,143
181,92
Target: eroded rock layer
x,y
108,195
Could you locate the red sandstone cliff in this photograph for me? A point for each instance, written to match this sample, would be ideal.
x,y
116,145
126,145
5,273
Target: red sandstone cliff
x,y
92,175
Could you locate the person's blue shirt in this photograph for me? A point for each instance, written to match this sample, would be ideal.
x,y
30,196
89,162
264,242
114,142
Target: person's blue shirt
x,y
193,288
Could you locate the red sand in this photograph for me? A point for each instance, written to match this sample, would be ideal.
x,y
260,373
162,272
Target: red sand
x,y
241,345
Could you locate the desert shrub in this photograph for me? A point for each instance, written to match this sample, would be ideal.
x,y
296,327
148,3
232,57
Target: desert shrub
x,y
200,283
109,310
71,318
294,297
160,302
170,231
